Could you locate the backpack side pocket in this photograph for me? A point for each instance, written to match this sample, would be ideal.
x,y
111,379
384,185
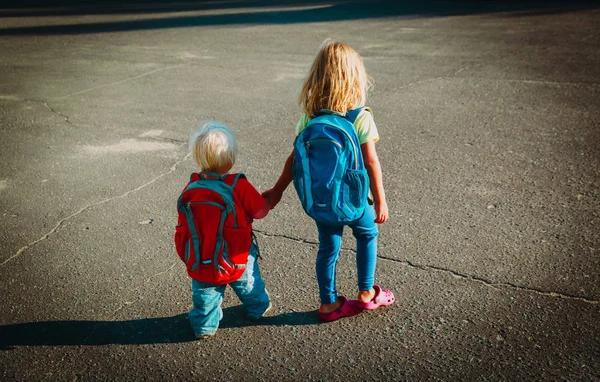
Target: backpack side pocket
x,y
298,179
236,248
354,193
182,241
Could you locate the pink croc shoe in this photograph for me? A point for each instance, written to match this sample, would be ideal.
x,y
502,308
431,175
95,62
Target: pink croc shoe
x,y
347,309
383,297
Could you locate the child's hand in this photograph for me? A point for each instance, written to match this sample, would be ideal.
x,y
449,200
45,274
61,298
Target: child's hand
x,y
273,196
381,212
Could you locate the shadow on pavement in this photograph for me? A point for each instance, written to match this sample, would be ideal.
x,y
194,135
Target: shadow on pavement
x,y
65,333
40,8
173,329
235,317
321,11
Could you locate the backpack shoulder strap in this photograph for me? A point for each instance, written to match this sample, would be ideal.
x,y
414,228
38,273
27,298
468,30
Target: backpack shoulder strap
x,y
231,180
351,115
235,179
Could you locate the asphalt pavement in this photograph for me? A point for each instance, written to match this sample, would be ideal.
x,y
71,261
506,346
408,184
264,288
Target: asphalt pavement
x,y
489,118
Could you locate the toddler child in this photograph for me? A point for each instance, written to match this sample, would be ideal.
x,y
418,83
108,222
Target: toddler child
x,y
214,149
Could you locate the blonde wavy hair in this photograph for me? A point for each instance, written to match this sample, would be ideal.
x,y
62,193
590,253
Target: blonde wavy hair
x,y
337,80
213,146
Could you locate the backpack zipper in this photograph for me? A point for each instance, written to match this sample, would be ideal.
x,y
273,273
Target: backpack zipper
x,y
307,144
324,140
353,146
189,204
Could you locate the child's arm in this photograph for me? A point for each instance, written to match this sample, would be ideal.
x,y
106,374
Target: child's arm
x,y
264,211
274,194
252,202
376,180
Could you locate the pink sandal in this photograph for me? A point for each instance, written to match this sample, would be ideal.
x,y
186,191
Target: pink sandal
x,y
348,308
383,297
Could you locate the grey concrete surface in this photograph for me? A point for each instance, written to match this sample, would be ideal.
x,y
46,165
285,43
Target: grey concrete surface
x,y
489,121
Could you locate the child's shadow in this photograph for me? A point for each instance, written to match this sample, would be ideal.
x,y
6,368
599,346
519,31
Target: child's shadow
x,y
235,317
132,332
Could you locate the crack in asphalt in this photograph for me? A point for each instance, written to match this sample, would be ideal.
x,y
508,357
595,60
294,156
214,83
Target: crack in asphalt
x,y
490,283
52,110
119,82
68,120
487,283
91,205
166,139
66,117
553,83
301,241
538,82
83,209
524,81
449,75
113,314
127,303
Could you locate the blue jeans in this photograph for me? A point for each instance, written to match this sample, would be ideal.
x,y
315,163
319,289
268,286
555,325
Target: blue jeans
x,y
250,289
330,241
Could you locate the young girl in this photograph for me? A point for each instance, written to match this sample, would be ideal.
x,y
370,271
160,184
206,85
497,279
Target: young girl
x,y
214,149
338,81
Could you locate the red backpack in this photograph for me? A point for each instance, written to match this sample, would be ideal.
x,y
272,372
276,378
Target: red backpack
x,y
213,235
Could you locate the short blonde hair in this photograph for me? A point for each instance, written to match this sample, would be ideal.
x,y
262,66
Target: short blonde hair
x,y
213,146
337,80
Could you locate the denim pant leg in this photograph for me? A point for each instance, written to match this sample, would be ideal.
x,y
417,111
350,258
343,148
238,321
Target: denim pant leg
x,y
206,312
330,242
365,231
250,288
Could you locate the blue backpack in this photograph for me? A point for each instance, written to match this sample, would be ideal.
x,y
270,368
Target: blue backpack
x,y
328,172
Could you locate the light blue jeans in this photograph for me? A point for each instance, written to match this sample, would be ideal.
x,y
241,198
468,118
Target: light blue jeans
x,y
330,242
207,298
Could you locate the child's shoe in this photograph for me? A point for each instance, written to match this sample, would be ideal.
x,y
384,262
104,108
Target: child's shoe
x,y
204,336
383,297
348,308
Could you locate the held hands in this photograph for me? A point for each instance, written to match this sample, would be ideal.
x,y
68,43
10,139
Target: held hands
x,y
381,212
